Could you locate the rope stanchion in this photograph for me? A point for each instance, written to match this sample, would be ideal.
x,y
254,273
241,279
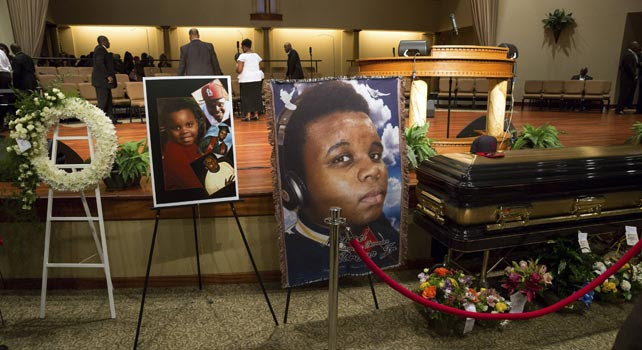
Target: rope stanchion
x,y
488,316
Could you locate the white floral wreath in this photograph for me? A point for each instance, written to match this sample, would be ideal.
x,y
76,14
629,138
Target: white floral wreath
x,y
34,136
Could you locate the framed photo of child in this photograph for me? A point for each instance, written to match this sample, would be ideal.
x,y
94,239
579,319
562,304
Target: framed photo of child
x,y
191,137
338,143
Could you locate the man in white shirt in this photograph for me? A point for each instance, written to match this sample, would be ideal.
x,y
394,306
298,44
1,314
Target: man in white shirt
x,y
5,70
219,174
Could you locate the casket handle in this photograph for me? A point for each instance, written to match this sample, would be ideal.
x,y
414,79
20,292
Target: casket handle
x,y
516,216
431,206
588,205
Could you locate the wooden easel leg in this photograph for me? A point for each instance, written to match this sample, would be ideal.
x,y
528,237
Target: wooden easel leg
x,y
374,294
287,306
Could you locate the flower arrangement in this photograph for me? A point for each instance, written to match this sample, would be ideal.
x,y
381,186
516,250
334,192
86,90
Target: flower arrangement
x,y
489,300
528,278
36,114
622,285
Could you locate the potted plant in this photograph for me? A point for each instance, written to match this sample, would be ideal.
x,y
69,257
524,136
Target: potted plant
x,y
558,21
131,163
636,139
419,147
544,136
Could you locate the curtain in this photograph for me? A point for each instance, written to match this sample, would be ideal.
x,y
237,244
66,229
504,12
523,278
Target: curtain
x,y
485,20
28,22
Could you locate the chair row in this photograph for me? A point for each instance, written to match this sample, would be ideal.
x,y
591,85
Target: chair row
x,y
126,94
149,71
64,70
567,90
463,89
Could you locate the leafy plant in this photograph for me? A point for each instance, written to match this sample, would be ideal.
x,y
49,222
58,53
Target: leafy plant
x,y
544,136
636,139
132,160
571,268
8,161
418,145
557,21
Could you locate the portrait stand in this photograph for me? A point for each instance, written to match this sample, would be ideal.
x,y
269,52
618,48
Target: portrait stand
x,y
287,299
198,264
101,245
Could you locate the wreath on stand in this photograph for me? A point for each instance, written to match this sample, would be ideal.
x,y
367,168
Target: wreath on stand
x,y
36,115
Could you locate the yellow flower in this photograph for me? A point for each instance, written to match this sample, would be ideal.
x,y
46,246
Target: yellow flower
x,y
454,282
500,307
424,285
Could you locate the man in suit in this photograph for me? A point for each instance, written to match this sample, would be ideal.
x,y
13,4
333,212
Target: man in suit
x,y
103,77
628,77
294,63
198,58
583,75
24,71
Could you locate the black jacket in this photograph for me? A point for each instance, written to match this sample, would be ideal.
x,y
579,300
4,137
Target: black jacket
x,y
198,58
24,72
294,66
103,68
628,68
577,77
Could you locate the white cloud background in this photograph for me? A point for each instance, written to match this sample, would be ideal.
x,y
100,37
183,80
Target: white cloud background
x,y
379,113
390,140
393,197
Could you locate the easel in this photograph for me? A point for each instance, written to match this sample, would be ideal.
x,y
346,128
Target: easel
x,y
101,245
198,264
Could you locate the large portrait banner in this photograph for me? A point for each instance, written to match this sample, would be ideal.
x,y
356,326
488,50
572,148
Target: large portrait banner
x,y
190,133
338,143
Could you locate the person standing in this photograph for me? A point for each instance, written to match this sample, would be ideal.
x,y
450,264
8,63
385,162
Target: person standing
x,y
295,71
5,68
24,71
628,77
638,109
198,57
250,80
103,77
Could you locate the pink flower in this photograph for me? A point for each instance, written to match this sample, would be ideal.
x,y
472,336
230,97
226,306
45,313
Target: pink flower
x,y
548,278
542,269
514,277
535,277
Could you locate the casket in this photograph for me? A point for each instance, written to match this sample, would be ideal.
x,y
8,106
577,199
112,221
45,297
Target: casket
x,y
471,202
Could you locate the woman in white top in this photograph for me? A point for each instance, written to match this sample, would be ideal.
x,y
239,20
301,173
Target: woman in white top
x,y
250,80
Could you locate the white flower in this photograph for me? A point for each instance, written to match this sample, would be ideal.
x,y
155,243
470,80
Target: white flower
x,y
55,90
625,285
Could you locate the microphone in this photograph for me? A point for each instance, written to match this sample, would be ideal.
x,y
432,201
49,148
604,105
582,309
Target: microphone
x,y
237,46
393,52
454,23
310,50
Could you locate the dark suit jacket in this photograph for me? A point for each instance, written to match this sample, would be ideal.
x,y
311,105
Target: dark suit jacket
x,y
24,72
577,77
628,66
198,58
103,68
294,66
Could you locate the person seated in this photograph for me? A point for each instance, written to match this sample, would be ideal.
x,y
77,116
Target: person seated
x,y
119,66
583,75
163,61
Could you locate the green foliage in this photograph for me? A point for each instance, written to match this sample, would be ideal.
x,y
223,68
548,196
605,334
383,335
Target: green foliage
x,y
544,136
636,139
132,160
558,20
9,161
418,145
570,267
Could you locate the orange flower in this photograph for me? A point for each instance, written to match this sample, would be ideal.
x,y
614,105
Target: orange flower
x,y
430,292
442,271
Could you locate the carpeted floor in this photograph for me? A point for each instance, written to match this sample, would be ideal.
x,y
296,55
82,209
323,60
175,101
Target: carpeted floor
x,y
236,317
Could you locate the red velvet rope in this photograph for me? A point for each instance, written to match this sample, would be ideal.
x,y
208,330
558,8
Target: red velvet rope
x,y
497,316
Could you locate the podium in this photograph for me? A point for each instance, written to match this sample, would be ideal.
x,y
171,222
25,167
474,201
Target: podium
x,y
455,61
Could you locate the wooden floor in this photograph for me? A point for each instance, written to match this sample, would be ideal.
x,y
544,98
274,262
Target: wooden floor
x,y
589,128
253,157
